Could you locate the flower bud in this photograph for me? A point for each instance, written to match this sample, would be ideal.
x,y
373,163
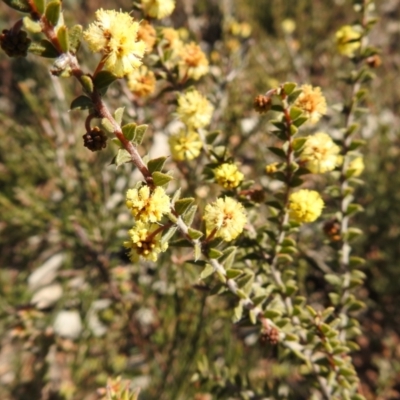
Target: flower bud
x,y
95,140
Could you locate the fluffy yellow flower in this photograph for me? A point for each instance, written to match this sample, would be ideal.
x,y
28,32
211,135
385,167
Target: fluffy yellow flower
x,y
320,153
142,81
226,218
115,35
228,176
356,167
288,26
171,38
305,205
236,28
185,145
347,40
144,241
194,109
146,205
194,63
158,8
271,168
233,45
148,34
312,102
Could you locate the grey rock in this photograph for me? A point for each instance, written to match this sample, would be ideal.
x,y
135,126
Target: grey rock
x,y
46,273
68,324
47,296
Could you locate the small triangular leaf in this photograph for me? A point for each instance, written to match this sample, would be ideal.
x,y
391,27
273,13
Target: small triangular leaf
x,y
194,234
214,253
197,251
300,121
277,107
183,204
81,103
176,196
139,134
161,179
32,25
212,136
63,38
122,157
245,282
296,181
87,83
272,314
118,114
253,316
295,113
352,129
288,87
355,305
173,218
294,95
75,34
356,143
274,204
19,5
44,49
103,79
229,256
354,208
233,273
168,234
279,124
156,164
188,217
181,243
53,11
39,5
129,131
259,299
355,261
353,233
116,142
298,143
207,271
277,151
237,313
284,258
107,125
333,279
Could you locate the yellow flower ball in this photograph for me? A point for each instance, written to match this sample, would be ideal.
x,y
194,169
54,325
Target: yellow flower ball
x,y
148,34
312,102
320,153
146,205
185,145
305,205
194,109
347,40
356,167
114,34
288,26
171,38
194,63
144,241
226,218
228,176
141,82
271,168
158,8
